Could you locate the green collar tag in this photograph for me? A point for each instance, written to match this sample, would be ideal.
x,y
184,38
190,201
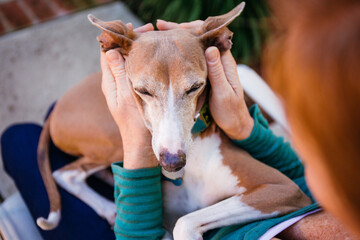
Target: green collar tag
x,y
203,120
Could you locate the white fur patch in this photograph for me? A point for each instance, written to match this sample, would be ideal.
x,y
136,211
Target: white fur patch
x,y
206,178
70,180
170,132
227,212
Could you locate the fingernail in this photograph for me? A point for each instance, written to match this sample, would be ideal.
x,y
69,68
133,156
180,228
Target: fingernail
x,y
112,56
129,25
212,55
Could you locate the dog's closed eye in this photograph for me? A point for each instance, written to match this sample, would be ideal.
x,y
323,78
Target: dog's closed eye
x,y
143,91
194,88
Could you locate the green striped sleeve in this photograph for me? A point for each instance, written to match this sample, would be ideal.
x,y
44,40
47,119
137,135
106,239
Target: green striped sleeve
x,y
139,203
263,145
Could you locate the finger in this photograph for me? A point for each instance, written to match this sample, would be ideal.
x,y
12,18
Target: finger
x,y
108,84
230,70
164,25
193,24
129,25
145,28
216,74
117,65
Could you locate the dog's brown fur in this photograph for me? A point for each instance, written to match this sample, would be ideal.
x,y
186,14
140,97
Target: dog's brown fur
x,y
82,125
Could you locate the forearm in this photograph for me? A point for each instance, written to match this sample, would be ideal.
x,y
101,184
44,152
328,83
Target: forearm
x,y
263,145
139,202
137,183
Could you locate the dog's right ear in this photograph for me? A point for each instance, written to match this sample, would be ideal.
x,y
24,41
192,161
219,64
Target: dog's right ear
x,y
115,35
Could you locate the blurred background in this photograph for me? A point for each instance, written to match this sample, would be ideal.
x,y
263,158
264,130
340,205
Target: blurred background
x,y
47,46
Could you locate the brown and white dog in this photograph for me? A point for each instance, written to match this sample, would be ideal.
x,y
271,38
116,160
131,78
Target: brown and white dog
x,y
221,183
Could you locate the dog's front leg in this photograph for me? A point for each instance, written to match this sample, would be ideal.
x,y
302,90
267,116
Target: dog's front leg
x,y
227,212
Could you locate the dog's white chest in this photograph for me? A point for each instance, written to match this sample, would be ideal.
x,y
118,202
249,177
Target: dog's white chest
x,y
206,180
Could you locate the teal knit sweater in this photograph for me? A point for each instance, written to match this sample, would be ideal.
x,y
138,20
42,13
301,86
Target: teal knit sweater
x,y
138,192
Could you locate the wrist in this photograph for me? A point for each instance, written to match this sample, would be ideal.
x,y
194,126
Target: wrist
x,y
139,156
243,131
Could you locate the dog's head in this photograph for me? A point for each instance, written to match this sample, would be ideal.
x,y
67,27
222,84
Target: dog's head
x,y
168,74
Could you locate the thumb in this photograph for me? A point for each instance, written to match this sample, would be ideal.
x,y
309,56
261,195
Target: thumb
x,y
117,66
216,72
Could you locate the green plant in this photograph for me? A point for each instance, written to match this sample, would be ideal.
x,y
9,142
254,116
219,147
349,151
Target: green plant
x,y
250,29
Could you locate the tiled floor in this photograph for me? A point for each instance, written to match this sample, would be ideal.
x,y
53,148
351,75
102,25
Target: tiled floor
x,y
38,64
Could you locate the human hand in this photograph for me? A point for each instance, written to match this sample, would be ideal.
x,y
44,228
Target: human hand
x,y
136,137
227,103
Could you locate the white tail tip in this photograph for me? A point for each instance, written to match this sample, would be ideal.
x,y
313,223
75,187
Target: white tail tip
x,y
51,222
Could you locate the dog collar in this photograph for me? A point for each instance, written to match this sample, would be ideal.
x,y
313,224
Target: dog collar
x,y
202,120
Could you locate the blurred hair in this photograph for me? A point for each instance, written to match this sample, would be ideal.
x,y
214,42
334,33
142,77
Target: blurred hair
x,y
313,63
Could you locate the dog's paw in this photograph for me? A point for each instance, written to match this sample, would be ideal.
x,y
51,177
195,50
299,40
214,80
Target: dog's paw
x,y
185,229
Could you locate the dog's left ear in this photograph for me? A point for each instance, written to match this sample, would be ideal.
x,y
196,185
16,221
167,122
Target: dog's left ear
x,y
214,31
115,35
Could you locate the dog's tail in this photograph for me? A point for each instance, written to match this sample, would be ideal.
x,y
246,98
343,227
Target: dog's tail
x,y
53,193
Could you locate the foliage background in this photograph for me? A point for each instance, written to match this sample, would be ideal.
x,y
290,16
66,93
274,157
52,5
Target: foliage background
x,y
251,28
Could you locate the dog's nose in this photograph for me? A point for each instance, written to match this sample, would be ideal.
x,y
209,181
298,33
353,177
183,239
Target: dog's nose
x,y
172,162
